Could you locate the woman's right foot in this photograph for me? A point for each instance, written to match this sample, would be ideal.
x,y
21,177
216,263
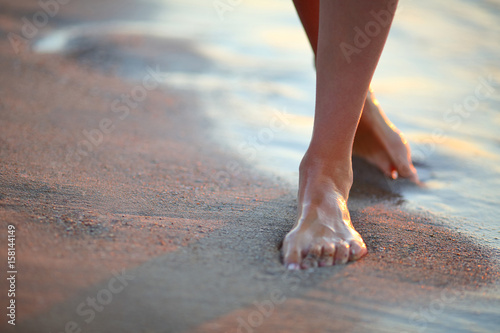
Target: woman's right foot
x,y
323,234
379,142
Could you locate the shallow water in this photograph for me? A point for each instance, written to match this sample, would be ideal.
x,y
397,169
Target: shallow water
x,y
437,80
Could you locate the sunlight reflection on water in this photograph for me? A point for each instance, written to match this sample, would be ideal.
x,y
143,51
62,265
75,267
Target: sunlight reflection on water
x,y
437,55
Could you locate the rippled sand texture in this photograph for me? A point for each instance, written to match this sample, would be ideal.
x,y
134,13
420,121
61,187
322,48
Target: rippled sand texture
x,y
113,170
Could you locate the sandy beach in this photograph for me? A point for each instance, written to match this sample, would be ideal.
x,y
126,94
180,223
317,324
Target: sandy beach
x,y
130,216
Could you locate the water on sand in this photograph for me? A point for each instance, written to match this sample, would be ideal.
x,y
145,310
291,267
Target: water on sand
x,y
253,67
437,80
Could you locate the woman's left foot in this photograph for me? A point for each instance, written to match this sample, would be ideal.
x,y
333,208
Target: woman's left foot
x,y
379,142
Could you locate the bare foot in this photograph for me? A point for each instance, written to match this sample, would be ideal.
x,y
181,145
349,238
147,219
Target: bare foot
x,y
323,234
379,142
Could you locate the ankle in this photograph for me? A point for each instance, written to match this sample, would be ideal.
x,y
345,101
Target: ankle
x,y
335,172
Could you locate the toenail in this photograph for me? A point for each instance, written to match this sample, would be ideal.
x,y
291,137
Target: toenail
x,y
293,267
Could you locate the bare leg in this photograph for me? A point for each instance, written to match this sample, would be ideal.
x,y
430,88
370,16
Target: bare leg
x,y
323,234
377,140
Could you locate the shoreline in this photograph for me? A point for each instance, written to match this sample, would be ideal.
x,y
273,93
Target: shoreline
x,y
202,253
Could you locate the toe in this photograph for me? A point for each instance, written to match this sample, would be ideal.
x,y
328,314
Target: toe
x,y
341,253
383,162
404,166
291,256
408,171
311,260
357,250
327,256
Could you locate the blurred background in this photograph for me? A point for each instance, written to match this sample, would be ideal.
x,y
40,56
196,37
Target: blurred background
x,y
250,61
195,89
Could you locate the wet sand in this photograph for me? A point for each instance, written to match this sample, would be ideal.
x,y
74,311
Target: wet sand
x,y
150,197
